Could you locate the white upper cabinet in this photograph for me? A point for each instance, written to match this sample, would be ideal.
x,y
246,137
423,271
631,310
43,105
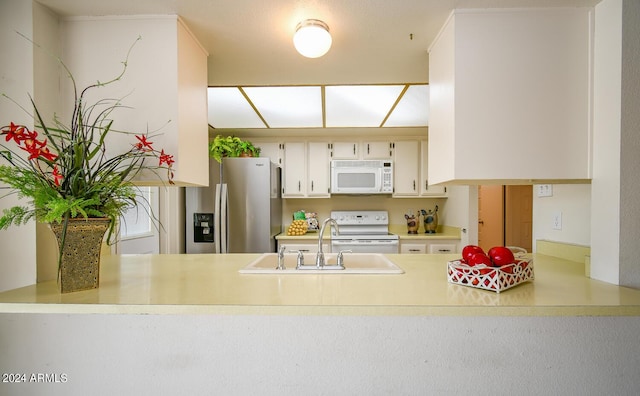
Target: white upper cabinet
x,y
510,96
318,169
345,150
366,150
406,168
273,150
305,172
294,174
427,189
163,91
376,150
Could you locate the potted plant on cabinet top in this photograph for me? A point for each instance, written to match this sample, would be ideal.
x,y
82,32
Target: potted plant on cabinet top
x,y
231,146
71,181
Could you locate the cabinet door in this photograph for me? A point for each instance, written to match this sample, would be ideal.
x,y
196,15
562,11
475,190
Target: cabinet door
x,y
405,168
376,150
273,150
318,167
344,150
294,170
425,188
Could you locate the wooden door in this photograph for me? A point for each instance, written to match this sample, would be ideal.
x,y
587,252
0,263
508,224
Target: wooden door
x,y
518,216
490,216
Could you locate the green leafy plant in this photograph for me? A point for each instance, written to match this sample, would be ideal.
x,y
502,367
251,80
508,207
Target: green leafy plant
x,y
64,169
231,146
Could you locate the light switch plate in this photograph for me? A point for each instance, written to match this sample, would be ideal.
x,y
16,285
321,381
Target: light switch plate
x,y
544,190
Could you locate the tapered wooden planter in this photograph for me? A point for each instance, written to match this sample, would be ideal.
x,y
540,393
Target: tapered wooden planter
x,y
80,262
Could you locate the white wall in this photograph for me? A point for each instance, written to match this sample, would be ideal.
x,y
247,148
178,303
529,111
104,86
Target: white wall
x,y
630,147
606,142
337,355
573,201
17,244
615,250
46,28
461,211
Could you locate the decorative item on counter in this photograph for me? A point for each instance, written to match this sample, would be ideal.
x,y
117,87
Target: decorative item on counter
x,y
312,220
297,228
430,220
496,274
299,215
310,217
72,181
412,222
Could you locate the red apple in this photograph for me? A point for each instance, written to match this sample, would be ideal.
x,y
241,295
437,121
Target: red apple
x,y
501,255
469,251
479,258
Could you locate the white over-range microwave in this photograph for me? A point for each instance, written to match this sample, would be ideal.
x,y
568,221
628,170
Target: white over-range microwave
x,y
361,177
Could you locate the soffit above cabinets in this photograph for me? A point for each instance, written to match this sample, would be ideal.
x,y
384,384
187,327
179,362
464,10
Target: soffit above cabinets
x,y
319,106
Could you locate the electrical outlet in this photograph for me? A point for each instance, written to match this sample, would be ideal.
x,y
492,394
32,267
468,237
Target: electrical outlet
x,y
544,190
557,221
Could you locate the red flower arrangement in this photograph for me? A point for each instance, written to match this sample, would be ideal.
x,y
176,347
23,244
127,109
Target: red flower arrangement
x,y
65,170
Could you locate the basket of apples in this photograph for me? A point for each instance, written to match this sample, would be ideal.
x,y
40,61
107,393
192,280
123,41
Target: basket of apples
x,y
499,269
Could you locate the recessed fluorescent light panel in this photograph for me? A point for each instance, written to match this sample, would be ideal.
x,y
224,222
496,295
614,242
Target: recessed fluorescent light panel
x,y
344,106
359,105
288,107
412,109
228,108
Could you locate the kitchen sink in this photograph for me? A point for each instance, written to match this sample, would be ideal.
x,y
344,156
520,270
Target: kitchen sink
x,y
354,263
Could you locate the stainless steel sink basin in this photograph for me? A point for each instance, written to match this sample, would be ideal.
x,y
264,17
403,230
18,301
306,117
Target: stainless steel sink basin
x,y
354,263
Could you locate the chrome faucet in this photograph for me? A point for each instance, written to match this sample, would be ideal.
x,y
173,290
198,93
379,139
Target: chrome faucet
x,y
320,255
281,258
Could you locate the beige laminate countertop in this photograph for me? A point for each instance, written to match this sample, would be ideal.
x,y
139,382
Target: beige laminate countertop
x,y
400,230
209,283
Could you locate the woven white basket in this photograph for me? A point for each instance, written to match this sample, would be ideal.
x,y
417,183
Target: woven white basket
x,y
494,279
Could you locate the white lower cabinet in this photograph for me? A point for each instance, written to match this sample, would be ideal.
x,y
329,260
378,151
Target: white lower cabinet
x,y
442,248
305,247
418,246
413,248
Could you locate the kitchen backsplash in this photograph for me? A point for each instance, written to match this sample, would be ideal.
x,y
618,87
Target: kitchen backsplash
x,y
397,207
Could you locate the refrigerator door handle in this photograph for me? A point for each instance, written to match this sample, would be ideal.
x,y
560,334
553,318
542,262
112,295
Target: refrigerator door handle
x,y
224,219
216,219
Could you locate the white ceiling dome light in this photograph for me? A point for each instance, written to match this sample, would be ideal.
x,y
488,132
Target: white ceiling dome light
x,y
312,38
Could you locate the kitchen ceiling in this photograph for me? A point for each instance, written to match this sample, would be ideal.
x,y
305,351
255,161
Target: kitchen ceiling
x,y
378,45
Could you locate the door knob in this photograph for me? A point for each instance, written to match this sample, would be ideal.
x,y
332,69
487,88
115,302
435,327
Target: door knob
x,y
480,222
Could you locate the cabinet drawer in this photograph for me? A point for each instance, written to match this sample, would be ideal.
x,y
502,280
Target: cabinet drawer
x,y
413,248
442,248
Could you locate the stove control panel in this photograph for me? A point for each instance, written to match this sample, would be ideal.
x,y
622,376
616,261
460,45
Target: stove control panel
x,y
361,217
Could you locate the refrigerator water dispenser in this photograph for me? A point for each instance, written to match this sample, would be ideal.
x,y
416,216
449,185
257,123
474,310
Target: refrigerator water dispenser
x,y
203,227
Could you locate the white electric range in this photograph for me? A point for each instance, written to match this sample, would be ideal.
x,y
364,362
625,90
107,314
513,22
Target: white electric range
x,y
363,231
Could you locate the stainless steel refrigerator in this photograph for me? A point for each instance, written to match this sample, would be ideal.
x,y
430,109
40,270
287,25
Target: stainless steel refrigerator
x,y
240,211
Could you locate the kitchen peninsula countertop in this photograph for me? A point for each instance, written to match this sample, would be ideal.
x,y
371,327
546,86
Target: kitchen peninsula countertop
x,y
209,283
